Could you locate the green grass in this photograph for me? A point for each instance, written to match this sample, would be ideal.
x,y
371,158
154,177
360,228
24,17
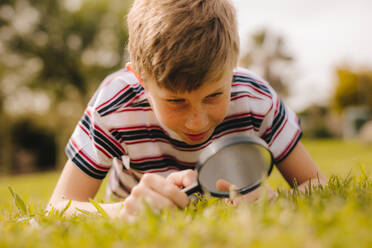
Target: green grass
x,y
339,215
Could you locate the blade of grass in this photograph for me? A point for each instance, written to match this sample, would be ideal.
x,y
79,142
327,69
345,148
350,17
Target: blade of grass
x,y
99,208
83,211
20,204
65,209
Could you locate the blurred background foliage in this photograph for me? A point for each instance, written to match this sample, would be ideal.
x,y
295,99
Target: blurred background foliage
x,y
54,54
353,88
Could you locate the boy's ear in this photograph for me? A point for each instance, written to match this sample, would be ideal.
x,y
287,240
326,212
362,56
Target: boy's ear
x,y
129,67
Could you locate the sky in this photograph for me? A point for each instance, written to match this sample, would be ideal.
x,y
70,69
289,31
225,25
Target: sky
x,y
321,34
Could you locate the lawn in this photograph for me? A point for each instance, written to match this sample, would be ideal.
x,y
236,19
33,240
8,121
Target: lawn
x,y
339,215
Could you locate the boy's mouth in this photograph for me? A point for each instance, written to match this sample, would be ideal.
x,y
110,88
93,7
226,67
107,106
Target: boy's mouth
x,y
198,136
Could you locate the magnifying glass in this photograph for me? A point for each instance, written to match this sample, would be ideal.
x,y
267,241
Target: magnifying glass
x,y
243,161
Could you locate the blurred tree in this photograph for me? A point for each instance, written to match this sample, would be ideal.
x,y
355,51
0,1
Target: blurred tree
x,y
64,44
34,147
267,55
53,55
316,122
353,88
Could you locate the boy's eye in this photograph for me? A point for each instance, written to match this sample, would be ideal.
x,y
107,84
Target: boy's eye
x,y
214,95
176,100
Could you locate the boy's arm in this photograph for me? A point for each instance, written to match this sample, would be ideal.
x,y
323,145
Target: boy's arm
x,y
79,187
299,166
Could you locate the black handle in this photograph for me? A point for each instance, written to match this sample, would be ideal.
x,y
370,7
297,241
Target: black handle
x,y
193,188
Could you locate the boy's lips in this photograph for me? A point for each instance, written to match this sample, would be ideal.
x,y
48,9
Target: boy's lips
x,y
197,136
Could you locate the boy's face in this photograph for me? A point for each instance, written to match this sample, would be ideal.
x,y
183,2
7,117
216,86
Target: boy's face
x,y
192,115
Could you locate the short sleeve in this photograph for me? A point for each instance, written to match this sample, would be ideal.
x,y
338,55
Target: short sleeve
x,y
280,128
91,146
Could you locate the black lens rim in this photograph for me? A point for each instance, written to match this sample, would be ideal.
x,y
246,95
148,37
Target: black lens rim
x,y
220,144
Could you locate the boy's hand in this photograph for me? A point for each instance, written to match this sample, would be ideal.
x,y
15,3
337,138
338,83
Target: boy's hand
x,y
223,185
183,178
158,192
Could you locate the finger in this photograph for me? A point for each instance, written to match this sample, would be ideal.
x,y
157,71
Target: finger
x,y
160,185
222,185
155,200
254,195
131,207
140,195
183,178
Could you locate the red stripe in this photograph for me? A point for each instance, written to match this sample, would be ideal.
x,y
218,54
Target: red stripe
x,y
188,149
113,98
271,107
252,76
266,114
267,131
289,146
244,74
134,98
277,107
245,95
235,131
246,114
85,131
254,88
103,150
162,169
278,132
129,103
99,167
104,133
134,109
108,137
139,128
88,114
95,144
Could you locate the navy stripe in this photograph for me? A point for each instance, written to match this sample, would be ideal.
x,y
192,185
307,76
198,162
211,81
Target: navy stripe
x,y
278,121
290,149
152,133
116,194
86,122
100,139
143,104
104,142
253,82
123,98
248,121
122,186
159,164
85,162
84,165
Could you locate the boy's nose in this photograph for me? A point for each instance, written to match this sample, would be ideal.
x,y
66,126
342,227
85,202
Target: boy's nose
x,y
197,120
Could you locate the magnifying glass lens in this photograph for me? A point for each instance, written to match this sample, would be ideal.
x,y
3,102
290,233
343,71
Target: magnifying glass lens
x,y
238,161
242,165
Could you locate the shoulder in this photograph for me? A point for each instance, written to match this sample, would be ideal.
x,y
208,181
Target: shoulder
x,y
118,90
244,78
250,91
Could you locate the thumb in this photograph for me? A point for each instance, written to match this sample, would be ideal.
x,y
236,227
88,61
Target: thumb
x,y
223,185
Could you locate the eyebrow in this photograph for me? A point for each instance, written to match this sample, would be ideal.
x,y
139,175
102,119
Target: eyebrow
x,y
219,90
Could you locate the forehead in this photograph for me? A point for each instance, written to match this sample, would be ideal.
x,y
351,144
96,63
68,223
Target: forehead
x,y
206,88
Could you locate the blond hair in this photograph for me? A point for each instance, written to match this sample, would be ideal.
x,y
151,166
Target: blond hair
x,y
180,44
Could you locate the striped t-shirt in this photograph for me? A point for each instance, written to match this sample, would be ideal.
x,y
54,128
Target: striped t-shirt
x,y
119,123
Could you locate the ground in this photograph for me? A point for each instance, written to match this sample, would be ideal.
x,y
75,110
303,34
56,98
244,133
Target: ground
x,y
339,215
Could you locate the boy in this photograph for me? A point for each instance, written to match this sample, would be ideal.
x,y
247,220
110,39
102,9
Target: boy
x,y
180,92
